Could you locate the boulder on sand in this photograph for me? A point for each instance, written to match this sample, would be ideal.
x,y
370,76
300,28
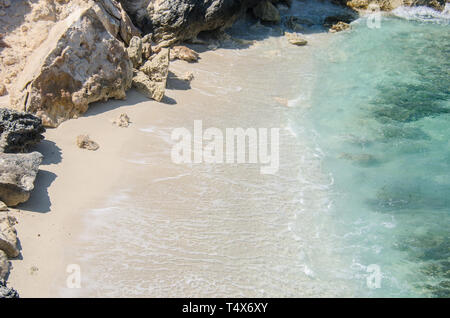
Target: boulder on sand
x,y
81,62
17,175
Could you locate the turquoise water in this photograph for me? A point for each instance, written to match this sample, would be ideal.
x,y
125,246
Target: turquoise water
x,y
381,115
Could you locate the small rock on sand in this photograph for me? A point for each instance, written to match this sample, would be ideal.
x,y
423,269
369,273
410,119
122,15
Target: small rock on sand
x,y
122,121
340,26
295,39
85,142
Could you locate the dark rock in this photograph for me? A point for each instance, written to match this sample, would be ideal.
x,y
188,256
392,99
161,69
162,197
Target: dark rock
x,y
7,292
177,20
19,131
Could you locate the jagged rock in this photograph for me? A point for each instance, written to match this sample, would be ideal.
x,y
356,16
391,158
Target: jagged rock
x,y
267,12
177,20
340,26
135,51
295,39
17,174
151,78
81,62
19,131
4,266
183,53
187,77
8,235
7,292
127,28
122,121
85,142
147,46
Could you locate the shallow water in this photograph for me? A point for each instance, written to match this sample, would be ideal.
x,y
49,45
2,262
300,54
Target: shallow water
x,y
381,115
363,178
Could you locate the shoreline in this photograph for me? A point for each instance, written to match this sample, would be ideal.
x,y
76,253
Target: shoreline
x,y
79,181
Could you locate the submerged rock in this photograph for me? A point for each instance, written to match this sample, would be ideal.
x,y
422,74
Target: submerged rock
x,y
17,175
81,62
85,142
19,131
8,235
183,53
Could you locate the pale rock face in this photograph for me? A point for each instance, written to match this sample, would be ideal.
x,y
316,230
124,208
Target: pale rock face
x,y
135,51
17,175
267,12
387,5
151,78
81,62
183,53
8,235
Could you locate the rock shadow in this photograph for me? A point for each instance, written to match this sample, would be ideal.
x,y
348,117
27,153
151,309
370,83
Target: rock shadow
x,y
40,200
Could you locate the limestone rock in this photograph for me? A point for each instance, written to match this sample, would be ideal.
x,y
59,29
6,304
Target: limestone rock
x,y
135,51
267,12
151,78
122,121
85,142
340,26
127,28
81,62
295,39
178,20
151,89
19,131
183,53
17,175
147,46
8,235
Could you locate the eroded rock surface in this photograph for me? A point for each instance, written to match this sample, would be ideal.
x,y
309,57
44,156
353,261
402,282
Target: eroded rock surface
x,y
80,63
19,131
17,175
151,78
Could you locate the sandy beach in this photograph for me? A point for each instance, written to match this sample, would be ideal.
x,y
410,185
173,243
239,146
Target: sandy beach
x,y
71,180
